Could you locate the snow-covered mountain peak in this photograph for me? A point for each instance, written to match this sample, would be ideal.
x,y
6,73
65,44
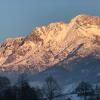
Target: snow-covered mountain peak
x,y
49,45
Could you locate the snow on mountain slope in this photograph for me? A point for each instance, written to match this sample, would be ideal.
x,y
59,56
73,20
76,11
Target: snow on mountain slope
x,y
55,44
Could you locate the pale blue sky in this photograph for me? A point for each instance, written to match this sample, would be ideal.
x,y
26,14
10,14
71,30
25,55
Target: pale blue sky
x,y
18,17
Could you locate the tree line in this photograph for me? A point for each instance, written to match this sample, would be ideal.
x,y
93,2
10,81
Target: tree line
x,y
49,91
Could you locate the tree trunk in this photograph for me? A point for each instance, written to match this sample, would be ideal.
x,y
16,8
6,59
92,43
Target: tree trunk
x,y
84,97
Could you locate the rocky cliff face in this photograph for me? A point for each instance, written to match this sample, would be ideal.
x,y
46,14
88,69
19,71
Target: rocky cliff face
x,y
49,45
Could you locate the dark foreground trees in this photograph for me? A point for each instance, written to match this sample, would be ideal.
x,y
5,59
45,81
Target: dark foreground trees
x,y
20,93
23,91
50,91
51,88
4,83
84,89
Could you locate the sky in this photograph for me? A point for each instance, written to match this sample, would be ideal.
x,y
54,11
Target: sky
x,y
19,17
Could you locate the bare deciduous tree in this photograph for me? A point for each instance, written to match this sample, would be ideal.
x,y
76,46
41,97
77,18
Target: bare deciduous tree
x,y
51,88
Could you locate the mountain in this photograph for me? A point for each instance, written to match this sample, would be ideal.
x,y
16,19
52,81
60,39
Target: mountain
x,y
73,46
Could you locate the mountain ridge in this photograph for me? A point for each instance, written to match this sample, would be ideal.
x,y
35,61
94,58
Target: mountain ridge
x,y
48,45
